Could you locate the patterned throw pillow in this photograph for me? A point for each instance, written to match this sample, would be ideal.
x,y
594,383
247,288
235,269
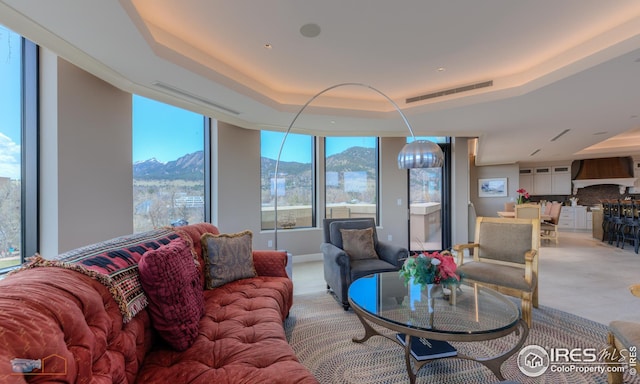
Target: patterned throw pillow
x,y
228,257
114,263
171,281
358,243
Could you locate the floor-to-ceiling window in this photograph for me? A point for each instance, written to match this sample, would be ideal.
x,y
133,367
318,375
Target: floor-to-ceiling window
x,y
428,204
295,180
169,154
18,149
351,177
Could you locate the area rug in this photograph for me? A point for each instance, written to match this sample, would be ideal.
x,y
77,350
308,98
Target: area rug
x,y
320,332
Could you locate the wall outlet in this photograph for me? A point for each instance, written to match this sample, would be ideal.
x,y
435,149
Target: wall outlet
x,y
399,202
389,238
270,243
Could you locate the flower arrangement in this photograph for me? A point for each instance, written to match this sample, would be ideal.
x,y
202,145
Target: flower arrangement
x,y
434,268
523,196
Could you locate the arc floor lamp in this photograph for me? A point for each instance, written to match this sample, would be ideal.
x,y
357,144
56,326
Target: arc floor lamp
x,y
415,154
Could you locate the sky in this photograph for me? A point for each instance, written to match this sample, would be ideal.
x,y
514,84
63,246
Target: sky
x,y
164,132
10,126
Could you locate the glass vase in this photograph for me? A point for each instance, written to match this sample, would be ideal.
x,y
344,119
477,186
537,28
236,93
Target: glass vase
x,y
430,292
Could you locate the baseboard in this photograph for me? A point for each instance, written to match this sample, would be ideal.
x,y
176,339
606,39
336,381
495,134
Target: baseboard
x,y
307,258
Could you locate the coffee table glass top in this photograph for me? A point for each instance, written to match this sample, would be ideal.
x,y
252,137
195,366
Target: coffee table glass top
x,y
471,310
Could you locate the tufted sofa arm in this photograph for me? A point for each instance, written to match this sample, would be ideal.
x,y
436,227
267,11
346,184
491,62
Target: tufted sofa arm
x,y
270,263
71,323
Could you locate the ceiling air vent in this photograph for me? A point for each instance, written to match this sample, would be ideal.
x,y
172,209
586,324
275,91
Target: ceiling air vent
x,y
451,91
191,96
559,135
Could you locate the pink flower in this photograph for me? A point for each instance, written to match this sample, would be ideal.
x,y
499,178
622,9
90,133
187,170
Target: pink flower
x,y
447,267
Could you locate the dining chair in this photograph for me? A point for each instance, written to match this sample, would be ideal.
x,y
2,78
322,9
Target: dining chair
x,y
509,206
527,211
549,228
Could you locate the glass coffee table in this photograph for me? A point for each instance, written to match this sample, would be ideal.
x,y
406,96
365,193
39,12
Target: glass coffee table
x,y
468,313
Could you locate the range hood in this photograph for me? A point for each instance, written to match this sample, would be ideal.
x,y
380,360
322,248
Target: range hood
x,y
611,170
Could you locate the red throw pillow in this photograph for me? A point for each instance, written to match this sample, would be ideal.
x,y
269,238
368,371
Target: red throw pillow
x,y
172,283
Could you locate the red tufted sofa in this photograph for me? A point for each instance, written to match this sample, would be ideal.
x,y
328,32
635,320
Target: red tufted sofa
x,y
71,324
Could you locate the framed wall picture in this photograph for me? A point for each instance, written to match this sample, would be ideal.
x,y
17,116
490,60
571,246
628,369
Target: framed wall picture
x,y
496,187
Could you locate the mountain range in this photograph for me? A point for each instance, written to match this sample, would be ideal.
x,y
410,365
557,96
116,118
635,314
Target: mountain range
x,y
191,166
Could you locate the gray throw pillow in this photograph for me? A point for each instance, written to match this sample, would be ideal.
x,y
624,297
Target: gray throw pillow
x,y
358,243
228,257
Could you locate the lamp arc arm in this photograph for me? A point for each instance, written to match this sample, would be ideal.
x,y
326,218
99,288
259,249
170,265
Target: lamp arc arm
x,y
284,139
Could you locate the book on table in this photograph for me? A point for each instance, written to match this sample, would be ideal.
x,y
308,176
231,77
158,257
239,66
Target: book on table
x,y
426,349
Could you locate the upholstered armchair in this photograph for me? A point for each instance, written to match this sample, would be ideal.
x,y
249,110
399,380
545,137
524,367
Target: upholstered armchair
x,y
624,337
505,258
351,249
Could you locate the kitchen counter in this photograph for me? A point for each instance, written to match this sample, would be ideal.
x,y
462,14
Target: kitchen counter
x,y
597,223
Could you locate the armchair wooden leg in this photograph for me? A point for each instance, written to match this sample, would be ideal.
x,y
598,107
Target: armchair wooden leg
x,y
613,377
526,310
535,298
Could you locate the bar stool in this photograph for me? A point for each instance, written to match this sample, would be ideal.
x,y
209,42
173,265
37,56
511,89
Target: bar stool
x,y
615,223
606,219
630,224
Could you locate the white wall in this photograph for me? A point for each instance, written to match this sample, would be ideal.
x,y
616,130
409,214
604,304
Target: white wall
x,y
460,196
489,206
86,178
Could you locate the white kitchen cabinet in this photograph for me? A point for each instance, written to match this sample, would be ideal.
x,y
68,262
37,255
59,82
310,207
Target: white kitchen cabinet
x,y
547,180
580,217
561,180
574,218
566,219
526,180
542,181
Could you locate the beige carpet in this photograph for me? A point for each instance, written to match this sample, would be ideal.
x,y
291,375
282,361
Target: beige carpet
x,y
320,332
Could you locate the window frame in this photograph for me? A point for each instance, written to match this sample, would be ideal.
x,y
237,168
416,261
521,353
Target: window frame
x,y
206,150
377,172
29,151
446,211
314,180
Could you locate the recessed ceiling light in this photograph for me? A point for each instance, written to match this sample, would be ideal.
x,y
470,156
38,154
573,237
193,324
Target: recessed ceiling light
x,y
310,30
268,46
441,69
